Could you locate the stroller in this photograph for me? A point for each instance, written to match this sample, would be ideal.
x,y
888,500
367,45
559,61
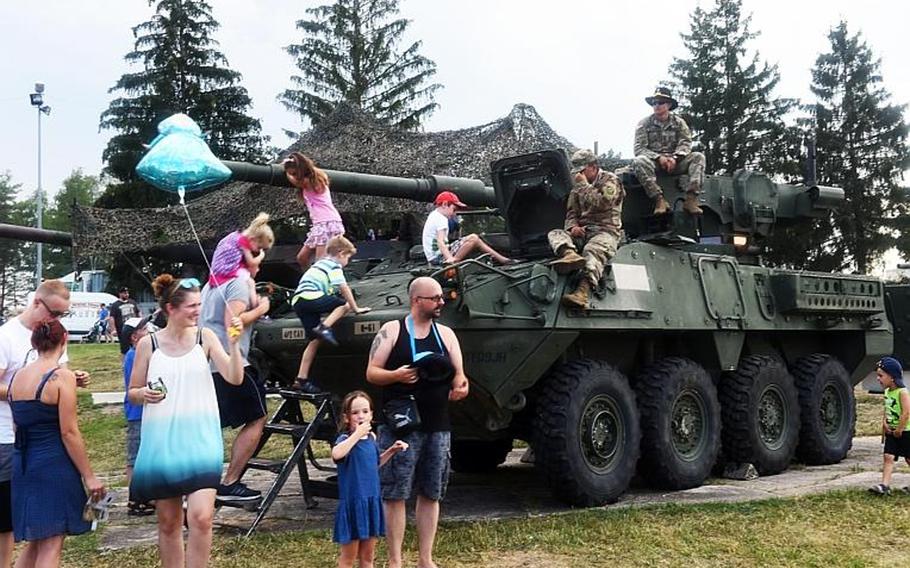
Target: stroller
x,y
96,334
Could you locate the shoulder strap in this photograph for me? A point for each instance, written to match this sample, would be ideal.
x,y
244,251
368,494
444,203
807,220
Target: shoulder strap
x,y
199,335
43,382
9,387
154,341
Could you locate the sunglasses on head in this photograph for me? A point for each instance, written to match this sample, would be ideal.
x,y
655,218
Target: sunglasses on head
x,y
188,283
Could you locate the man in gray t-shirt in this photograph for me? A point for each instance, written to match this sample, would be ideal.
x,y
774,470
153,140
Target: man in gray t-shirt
x,y
241,406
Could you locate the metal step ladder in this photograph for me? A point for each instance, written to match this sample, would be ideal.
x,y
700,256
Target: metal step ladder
x,y
289,420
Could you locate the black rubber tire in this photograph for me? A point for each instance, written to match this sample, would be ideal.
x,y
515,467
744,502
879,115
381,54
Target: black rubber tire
x,y
669,386
827,409
586,470
479,456
742,394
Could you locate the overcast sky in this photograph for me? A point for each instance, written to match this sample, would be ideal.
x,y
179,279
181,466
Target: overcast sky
x,y
585,65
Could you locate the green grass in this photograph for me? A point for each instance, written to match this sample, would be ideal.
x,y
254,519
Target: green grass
x,y
835,529
102,360
868,413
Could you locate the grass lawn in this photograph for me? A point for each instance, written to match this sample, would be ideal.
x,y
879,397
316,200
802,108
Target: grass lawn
x,y
836,529
102,360
868,412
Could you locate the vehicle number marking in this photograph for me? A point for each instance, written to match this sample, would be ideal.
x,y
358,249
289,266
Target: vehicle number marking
x,y
293,334
366,327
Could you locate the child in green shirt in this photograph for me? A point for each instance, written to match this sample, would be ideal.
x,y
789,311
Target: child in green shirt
x,y
894,421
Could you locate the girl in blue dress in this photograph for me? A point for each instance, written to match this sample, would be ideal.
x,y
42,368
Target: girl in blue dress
x,y
359,520
181,448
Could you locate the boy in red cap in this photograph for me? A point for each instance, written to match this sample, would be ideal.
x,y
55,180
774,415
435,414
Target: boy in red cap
x,y
894,420
436,245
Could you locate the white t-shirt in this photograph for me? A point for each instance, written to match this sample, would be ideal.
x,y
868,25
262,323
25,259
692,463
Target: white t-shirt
x,y
436,222
15,352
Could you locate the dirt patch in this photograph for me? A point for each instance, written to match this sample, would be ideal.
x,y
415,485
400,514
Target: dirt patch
x,y
527,559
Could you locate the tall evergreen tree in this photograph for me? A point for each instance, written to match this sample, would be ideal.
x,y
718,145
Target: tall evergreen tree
x,y
182,71
11,251
862,148
728,98
349,52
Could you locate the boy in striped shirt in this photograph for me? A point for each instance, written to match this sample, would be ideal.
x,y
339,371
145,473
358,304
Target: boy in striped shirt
x,y
323,290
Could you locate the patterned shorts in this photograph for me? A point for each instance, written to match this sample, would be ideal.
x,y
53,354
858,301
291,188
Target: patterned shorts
x,y
320,233
454,247
424,467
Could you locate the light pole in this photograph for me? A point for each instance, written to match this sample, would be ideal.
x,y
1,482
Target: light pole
x,y
37,99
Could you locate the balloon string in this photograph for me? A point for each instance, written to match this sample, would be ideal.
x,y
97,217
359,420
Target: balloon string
x,y
182,193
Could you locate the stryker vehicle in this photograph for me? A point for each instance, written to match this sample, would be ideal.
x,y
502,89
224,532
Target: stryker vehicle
x,y
689,348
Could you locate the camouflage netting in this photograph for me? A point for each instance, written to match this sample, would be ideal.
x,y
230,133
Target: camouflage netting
x,y
347,140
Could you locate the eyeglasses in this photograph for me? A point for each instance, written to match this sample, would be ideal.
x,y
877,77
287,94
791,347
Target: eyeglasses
x,y
437,298
189,283
658,103
53,313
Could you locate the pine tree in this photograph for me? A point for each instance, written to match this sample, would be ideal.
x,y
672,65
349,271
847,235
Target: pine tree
x,y
349,52
728,99
182,71
862,148
11,250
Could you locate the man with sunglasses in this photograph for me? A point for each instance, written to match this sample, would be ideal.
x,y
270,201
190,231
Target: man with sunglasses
x,y
121,310
663,142
416,356
50,302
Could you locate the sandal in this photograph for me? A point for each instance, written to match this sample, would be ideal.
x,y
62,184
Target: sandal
x,y
880,489
139,509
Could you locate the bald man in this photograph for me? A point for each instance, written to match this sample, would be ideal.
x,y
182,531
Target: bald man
x,y
425,465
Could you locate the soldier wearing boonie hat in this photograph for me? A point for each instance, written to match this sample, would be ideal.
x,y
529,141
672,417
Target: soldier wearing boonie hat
x,y
663,142
593,222
894,420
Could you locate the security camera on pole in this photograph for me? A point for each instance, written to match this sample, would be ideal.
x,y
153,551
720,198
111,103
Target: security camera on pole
x,y
37,99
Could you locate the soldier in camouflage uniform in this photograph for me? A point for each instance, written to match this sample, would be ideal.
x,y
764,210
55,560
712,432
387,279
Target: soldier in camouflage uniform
x,y
663,140
593,220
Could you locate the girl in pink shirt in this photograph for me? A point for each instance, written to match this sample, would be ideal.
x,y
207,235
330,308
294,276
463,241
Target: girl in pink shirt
x,y
325,222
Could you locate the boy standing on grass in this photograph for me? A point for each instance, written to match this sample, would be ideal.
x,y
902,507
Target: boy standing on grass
x,y
134,329
894,421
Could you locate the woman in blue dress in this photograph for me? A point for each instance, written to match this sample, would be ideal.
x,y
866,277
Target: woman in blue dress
x,y
49,462
181,449
359,521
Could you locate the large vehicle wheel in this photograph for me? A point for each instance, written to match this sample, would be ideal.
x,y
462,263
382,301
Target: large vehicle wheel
x,y
827,409
479,456
586,433
680,423
760,414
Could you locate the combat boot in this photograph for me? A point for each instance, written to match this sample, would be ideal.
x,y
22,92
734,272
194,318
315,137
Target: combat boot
x,y
691,204
578,298
661,207
569,261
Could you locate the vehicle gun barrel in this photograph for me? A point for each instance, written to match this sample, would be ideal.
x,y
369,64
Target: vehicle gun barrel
x,y
471,191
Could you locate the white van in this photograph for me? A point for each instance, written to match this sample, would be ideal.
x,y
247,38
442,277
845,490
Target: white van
x,y
84,308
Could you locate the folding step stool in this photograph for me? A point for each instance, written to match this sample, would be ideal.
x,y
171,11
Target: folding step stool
x,y
288,420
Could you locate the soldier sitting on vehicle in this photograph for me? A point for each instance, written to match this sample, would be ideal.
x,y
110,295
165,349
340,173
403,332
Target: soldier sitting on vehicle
x,y
593,220
663,140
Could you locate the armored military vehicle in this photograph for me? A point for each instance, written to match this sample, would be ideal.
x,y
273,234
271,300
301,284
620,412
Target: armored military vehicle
x,y
689,349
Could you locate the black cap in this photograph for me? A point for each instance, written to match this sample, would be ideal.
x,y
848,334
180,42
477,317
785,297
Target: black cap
x,y
124,289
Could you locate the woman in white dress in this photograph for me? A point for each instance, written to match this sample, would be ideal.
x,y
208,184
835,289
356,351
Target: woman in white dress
x,y
181,451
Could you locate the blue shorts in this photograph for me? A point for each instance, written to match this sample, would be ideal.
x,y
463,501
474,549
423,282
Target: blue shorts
x,y
424,466
309,311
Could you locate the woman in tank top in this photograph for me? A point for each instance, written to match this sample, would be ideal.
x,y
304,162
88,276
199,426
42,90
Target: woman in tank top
x,y
181,451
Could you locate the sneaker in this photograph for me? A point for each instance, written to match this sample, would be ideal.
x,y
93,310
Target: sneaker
x,y
237,491
326,334
880,489
308,386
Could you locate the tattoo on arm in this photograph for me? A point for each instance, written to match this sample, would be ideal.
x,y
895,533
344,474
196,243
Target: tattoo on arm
x,y
377,341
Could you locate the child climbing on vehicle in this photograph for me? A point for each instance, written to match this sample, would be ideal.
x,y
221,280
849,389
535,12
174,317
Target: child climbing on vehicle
x,y
313,189
359,519
323,290
894,420
237,252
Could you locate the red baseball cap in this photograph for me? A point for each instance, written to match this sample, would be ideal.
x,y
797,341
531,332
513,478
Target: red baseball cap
x,y
446,197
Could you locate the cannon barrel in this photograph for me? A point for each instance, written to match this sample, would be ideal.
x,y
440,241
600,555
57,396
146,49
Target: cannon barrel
x,y
470,191
34,235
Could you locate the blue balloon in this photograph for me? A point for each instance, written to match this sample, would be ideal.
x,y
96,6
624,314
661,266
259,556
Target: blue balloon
x,y
179,159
